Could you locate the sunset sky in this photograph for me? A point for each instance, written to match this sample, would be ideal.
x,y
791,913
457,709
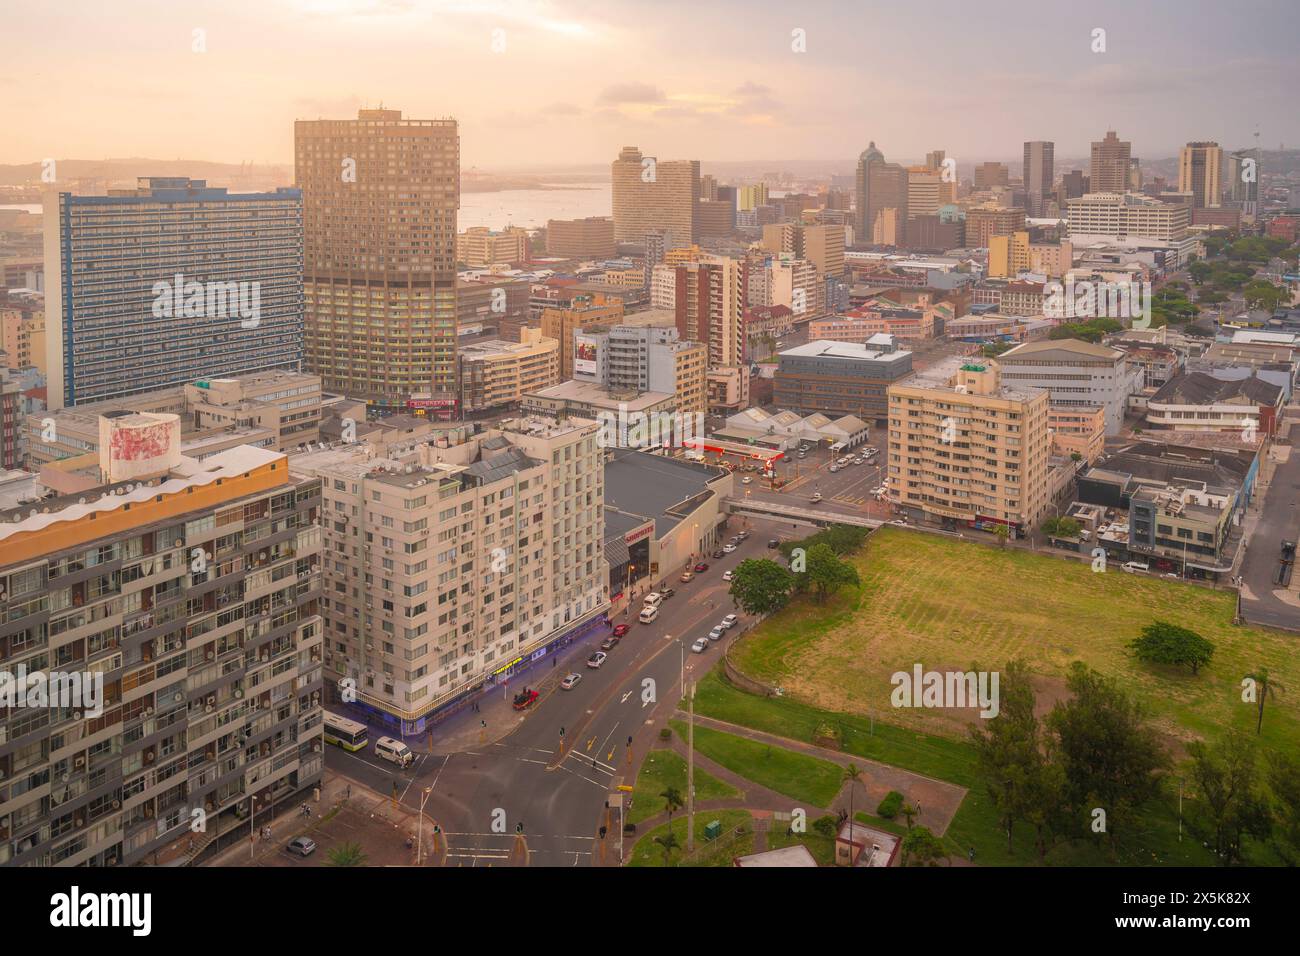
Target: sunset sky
x,y
707,79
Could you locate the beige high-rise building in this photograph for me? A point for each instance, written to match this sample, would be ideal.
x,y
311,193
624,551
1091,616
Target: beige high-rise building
x,y
986,221
22,338
480,247
966,450
592,237
880,200
1013,254
751,197
380,195
821,245
561,323
989,175
495,372
1108,172
710,305
1200,172
926,191
460,560
652,195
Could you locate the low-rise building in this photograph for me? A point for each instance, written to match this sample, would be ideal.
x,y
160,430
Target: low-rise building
x,y
1077,431
496,373
1196,401
1075,373
840,378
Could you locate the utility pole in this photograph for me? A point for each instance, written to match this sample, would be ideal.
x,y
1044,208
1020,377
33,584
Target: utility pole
x,y
419,829
690,771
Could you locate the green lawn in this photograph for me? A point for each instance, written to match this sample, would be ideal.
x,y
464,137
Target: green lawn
x,y
707,853
663,769
950,604
821,847
809,780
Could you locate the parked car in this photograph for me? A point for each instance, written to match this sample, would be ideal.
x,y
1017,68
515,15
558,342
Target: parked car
x,y
834,469
729,621
728,549
742,535
773,544
648,614
717,555
595,660
701,567
859,461
666,593
686,576
525,699
570,681
654,599
1133,567
715,634
621,629
302,846
608,643
700,646
816,498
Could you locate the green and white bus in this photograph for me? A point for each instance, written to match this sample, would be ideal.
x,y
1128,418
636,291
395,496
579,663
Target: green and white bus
x,y
348,734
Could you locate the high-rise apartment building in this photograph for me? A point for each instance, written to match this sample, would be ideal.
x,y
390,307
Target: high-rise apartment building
x,y
651,195
821,245
1200,172
380,195
881,187
1011,255
479,247
752,196
456,562
1038,175
640,359
965,450
168,282
986,221
1118,214
989,175
1108,172
710,305
561,322
590,238
926,192
1241,183
192,591
497,373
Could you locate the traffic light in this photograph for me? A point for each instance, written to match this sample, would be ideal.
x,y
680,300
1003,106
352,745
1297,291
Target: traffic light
x,y
561,731
602,831
629,740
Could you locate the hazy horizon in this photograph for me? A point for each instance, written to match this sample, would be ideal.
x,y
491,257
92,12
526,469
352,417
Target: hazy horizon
x,y
568,83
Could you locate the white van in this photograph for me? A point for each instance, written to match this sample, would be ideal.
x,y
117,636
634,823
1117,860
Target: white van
x,y
394,751
1132,567
654,599
648,614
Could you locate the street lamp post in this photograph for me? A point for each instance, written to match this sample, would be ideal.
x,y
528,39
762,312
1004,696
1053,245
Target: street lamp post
x,y
252,816
419,828
690,772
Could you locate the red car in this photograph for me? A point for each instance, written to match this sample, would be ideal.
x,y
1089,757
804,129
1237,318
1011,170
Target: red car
x,y
701,567
622,629
525,700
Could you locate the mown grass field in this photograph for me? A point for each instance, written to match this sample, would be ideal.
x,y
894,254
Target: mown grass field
x,y
954,605
719,852
663,769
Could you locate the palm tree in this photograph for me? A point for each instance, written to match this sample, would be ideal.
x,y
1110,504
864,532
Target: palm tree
x,y
852,776
347,854
672,802
669,843
1264,685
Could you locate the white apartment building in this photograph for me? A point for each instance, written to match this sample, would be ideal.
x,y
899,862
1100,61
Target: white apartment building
x,y
457,562
1076,374
663,287
1127,214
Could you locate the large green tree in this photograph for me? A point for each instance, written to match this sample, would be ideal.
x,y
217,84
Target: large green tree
x,y
1163,643
761,586
827,573
922,848
1231,803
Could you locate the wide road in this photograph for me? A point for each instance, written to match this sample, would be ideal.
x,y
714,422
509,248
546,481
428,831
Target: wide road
x,y
1279,521
556,788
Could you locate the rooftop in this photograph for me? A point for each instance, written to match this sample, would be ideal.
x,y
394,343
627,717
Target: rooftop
x,y
823,348
641,486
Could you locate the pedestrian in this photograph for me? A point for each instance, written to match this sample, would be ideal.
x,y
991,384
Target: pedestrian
x,y
552,661
349,796
970,855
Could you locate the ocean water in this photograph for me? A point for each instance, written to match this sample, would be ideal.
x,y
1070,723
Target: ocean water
x,y
531,208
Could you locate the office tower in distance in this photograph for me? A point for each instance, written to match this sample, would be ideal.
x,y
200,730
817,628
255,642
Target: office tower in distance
x,y
881,195
934,159
989,175
651,195
927,192
1038,174
380,195
1108,171
749,198
169,282
211,666
1241,186
590,238
1200,172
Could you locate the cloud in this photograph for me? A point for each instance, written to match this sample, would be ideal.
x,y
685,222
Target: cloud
x,y
562,109
631,93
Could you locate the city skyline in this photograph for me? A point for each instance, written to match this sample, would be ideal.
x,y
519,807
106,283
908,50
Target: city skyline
x,y
233,90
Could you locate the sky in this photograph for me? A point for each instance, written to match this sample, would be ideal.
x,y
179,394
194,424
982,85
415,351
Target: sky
x,y
554,82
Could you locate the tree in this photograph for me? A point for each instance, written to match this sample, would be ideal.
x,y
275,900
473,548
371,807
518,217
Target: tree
x,y
1262,294
1107,750
1061,527
1263,687
668,842
1284,783
672,802
852,775
1231,804
1165,643
347,854
1022,782
827,573
922,848
761,586
1001,532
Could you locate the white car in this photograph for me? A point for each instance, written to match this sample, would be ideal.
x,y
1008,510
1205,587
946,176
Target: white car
x,y
595,660
648,614
715,634
726,575
728,548
748,479
570,681
700,646
729,621
817,497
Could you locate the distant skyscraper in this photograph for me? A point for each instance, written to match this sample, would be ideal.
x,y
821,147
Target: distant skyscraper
x,y
881,186
380,195
1038,174
655,195
934,159
1200,172
168,283
988,175
1108,171
1242,183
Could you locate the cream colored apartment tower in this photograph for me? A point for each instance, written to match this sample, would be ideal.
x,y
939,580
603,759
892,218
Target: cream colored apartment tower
x,y
652,195
963,448
380,195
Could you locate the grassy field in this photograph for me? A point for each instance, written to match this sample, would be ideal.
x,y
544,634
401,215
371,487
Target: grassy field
x,y
647,852
663,769
950,604
807,779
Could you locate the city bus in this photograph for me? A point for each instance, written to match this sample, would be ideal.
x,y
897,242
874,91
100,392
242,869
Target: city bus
x,y
348,734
